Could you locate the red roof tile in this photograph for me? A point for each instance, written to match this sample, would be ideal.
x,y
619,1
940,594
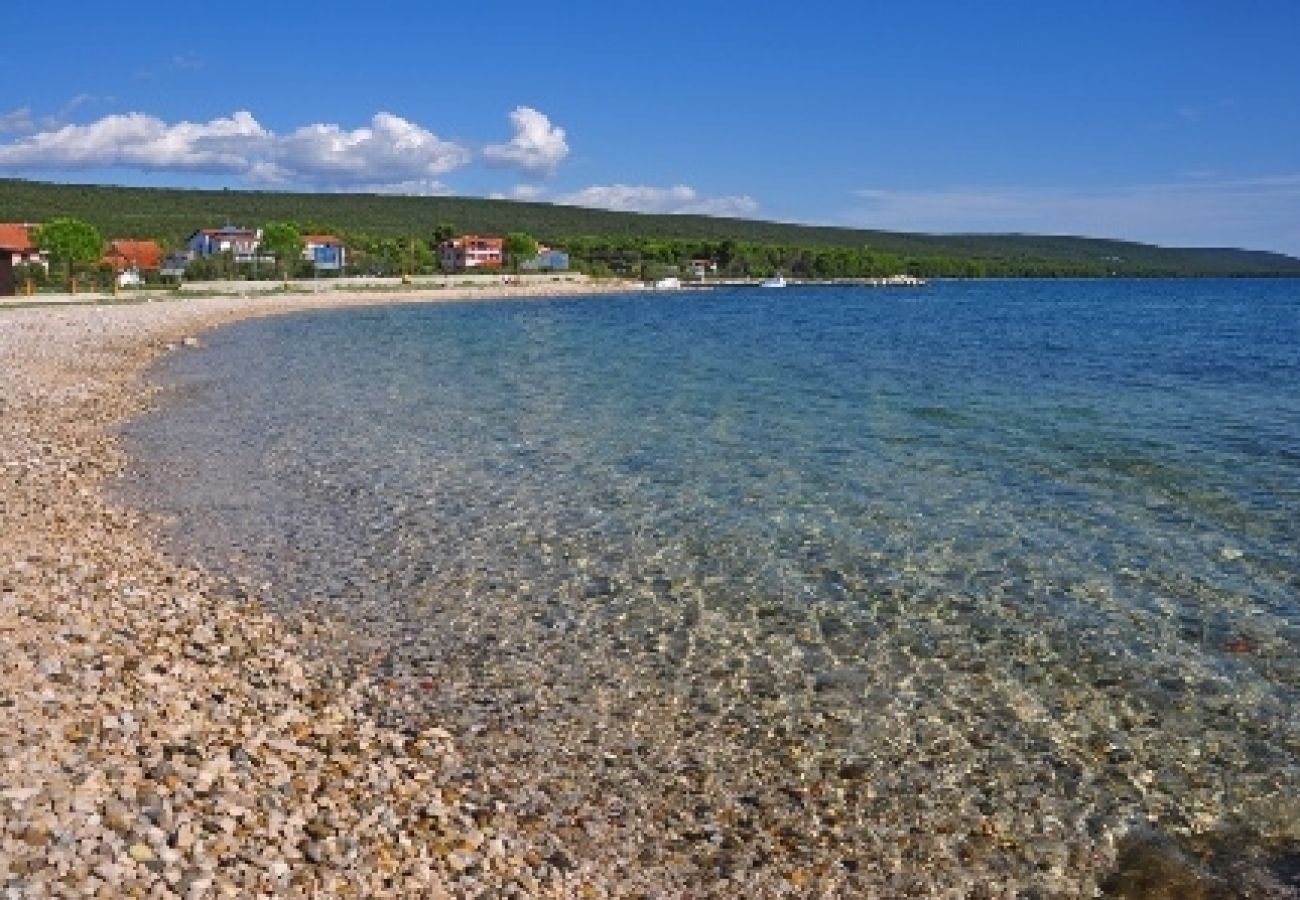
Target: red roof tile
x,y
145,255
16,238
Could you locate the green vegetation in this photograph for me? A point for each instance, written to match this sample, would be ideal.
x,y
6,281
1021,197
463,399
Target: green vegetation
x,y
390,235
70,242
517,247
283,241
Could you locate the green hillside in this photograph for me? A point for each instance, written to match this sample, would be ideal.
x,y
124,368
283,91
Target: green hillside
x,y
171,214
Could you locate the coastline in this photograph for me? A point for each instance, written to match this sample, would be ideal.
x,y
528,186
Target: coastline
x,y
157,733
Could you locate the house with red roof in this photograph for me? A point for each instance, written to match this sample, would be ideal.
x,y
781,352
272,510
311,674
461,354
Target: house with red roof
x,y
143,255
131,259
17,241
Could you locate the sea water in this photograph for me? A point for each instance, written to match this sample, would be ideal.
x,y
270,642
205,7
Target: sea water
x,y
1034,545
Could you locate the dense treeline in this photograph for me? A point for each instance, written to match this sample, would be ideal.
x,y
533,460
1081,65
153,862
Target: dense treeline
x,y
383,228
652,258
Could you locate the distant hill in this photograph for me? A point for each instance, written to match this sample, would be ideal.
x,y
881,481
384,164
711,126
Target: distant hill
x,y
171,214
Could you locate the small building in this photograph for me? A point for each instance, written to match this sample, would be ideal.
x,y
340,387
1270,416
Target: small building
x,y
471,251
702,268
17,244
173,265
547,260
242,243
130,260
324,251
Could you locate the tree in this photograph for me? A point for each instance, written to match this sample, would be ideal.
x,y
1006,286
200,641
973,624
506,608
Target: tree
x,y
283,241
518,247
71,242
443,232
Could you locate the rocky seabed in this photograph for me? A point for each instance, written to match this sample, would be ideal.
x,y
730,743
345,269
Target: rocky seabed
x,y
164,735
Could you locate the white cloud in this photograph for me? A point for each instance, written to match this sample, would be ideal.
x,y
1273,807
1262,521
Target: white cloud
x,y
391,153
525,192
18,120
538,146
75,103
390,150
420,187
1261,213
679,199
138,141
533,192
80,100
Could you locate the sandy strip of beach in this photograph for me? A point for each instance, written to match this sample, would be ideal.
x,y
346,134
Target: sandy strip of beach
x,y
158,737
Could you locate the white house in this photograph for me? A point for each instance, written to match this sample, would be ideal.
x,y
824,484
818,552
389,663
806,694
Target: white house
x,y
242,242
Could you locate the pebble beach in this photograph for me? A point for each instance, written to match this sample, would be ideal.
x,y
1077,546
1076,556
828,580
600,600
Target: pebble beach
x,y
169,731
159,737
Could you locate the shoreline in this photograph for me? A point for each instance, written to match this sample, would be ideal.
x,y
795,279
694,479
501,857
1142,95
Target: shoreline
x,y
352,294
158,734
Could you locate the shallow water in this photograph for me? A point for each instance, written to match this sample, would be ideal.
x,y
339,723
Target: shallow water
x,y
968,579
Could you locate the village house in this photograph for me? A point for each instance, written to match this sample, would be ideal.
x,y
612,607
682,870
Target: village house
x,y
324,251
700,268
471,251
130,260
241,242
18,244
547,260
17,249
174,264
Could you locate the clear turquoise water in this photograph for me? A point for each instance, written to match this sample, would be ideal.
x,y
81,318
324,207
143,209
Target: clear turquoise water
x,y
1068,508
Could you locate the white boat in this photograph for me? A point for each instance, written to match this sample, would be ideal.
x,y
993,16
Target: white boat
x,y
668,284
775,281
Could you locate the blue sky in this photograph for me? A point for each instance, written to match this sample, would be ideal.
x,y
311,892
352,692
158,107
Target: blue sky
x,y
1171,122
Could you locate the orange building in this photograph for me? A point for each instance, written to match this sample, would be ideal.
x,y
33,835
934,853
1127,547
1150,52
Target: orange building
x,y
471,251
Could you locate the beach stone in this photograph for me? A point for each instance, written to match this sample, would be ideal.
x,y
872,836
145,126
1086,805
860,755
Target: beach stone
x,y
314,852
117,816
36,836
598,586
